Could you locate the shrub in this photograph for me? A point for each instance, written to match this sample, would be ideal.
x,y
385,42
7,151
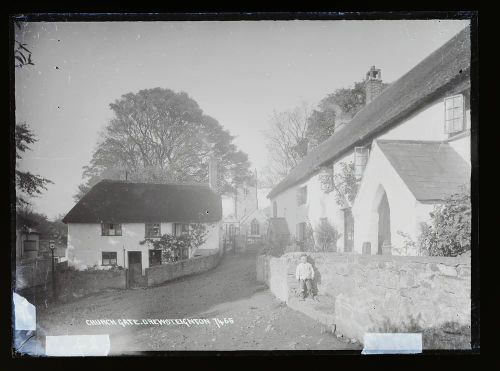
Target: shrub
x,y
326,236
448,233
172,246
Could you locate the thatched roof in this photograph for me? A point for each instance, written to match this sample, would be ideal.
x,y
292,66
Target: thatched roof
x,y
125,202
447,67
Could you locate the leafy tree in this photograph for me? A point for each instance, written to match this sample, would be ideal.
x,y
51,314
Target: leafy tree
x,y
158,135
346,184
342,104
27,184
22,55
27,218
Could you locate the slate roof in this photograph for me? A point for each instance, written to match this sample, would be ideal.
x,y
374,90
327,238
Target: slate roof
x,y
431,170
445,68
126,202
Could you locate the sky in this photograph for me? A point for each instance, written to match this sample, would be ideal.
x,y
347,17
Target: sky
x,y
238,72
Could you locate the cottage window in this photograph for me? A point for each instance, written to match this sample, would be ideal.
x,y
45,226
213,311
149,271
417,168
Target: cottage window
x,y
302,195
153,230
326,179
111,229
360,160
254,227
181,229
454,114
30,245
301,232
108,258
275,209
154,257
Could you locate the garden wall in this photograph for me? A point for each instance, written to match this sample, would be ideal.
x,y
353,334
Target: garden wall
x,y
374,293
170,271
74,284
35,272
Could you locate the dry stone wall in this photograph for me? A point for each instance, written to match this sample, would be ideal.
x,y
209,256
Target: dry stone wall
x,y
373,293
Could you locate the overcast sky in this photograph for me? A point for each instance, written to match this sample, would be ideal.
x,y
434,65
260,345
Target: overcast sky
x,y
238,72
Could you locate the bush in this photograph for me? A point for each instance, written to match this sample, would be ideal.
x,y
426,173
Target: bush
x,y
273,248
326,236
448,233
172,246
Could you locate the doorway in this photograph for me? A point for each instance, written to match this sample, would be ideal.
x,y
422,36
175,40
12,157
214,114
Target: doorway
x,y
384,224
134,268
348,230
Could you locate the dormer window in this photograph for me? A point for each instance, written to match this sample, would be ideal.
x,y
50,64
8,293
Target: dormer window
x,y
152,230
302,195
111,229
360,160
454,114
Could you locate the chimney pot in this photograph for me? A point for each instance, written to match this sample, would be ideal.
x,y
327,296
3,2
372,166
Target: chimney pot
x,y
373,84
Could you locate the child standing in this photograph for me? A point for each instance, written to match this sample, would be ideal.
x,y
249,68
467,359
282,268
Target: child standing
x,y
305,274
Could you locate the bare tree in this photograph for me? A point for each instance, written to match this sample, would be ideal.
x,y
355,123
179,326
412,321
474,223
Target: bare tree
x,y
286,141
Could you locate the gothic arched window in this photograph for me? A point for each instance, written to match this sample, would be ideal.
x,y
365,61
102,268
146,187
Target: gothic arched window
x,y
254,227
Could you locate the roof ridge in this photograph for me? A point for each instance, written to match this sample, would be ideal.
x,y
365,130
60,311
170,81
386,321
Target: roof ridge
x,y
411,141
153,183
428,80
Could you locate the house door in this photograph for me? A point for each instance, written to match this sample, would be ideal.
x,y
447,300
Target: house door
x,y
348,230
134,268
384,224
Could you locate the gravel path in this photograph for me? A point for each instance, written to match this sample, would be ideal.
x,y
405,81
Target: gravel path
x,y
249,317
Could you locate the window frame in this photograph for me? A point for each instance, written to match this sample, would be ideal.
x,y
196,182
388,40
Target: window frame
x,y
302,195
461,118
29,241
182,225
148,227
327,178
105,229
301,231
254,226
150,255
361,152
110,259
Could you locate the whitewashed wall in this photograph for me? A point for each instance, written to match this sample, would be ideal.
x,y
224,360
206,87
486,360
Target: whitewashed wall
x,y
406,211
427,124
380,176
85,243
319,205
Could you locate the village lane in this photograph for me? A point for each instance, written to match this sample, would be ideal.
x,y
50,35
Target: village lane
x,y
251,318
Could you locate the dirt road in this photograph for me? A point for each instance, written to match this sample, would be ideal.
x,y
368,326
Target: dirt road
x,y
248,315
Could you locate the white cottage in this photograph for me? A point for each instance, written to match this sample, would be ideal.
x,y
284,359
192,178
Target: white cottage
x,y
410,146
106,226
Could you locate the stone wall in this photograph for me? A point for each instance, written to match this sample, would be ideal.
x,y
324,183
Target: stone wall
x,y
74,284
374,293
35,272
170,271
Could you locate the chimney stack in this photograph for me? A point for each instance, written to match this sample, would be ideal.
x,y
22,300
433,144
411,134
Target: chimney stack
x,y
213,174
373,84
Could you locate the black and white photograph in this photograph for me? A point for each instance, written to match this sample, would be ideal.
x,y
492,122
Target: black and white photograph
x,y
242,184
